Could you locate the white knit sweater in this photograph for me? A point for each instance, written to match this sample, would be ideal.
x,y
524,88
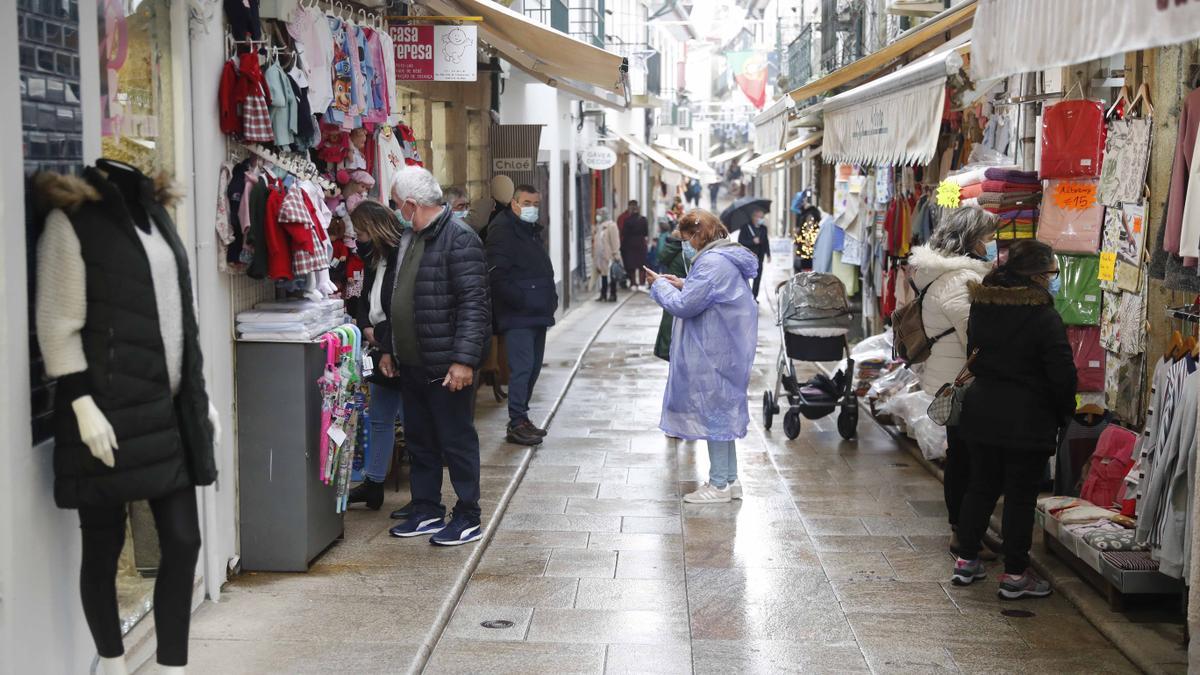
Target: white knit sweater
x,y
61,302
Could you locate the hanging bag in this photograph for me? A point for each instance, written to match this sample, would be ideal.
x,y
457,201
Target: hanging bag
x,y
946,406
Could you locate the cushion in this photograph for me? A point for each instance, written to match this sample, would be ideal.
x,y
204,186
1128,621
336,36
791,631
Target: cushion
x,y
1113,540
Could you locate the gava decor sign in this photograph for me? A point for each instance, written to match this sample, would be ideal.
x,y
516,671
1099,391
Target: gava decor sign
x,y
599,158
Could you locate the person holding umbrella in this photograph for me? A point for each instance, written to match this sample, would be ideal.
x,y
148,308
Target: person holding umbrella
x,y
749,215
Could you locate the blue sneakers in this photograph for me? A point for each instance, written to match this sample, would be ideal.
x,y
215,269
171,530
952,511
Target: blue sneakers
x,y
418,525
461,530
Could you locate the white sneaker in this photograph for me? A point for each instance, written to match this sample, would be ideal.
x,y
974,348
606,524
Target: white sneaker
x,y
708,494
735,490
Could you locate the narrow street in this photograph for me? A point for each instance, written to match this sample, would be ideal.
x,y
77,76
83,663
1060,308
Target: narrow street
x,y
835,561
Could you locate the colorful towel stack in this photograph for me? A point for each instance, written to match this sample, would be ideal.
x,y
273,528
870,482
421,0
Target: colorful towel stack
x,y
1014,196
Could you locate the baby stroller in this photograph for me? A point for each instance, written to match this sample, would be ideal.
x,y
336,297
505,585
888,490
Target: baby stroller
x,y
814,319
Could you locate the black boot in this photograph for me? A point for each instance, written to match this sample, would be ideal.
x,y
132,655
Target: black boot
x,y
367,492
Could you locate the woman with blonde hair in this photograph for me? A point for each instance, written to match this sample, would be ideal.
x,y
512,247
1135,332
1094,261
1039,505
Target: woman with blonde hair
x,y
714,337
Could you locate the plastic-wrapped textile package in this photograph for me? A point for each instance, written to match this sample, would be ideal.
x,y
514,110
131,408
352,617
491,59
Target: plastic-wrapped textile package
x,y
1089,357
1124,379
1073,136
1071,218
1080,298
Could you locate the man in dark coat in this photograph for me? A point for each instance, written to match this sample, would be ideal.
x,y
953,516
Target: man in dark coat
x,y
634,232
525,300
440,319
755,237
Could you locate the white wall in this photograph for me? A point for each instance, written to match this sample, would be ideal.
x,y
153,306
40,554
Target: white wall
x,y
41,623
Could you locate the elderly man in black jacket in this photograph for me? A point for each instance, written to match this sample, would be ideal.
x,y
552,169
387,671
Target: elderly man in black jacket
x,y
525,300
440,317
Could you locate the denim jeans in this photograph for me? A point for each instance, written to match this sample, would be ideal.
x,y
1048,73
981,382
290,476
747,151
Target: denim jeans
x,y
526,347
386,407
722,463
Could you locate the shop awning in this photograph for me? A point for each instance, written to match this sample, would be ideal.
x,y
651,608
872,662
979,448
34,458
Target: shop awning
x,y
1021,36
649,153
894,120
907,42
686,159
769,160
553,57
728,155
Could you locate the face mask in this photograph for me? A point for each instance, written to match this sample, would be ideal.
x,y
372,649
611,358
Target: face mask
x,y
529,214
761,221
461,214
990,251
404,222
1055,285
689,251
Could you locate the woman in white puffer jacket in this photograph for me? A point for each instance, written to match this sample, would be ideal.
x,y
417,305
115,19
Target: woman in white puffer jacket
x,y
962,249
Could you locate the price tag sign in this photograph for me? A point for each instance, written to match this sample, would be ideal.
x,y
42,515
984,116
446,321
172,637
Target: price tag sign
x,y
949,194
1075,195
1108,266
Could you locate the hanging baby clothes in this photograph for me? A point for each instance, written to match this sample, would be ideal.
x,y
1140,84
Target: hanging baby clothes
x,y
318,256
342,75
283,105
254,98
310,29
389,74
358,49
376,84
297,225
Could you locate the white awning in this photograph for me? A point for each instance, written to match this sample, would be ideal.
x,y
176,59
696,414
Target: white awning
x,y
728,155
793,146
549,55
686,159
649,153
894,120
1021,36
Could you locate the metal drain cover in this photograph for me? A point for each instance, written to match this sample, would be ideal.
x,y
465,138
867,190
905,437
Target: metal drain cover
x,y
1018,613
497,623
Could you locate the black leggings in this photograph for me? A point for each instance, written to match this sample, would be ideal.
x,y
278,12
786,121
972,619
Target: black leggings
x,y
103,530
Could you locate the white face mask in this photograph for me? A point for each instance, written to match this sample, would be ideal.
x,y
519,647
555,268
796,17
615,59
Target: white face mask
x,y
529,214
462,214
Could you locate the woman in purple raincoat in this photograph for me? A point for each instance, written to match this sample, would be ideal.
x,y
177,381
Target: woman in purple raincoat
x,y
713,340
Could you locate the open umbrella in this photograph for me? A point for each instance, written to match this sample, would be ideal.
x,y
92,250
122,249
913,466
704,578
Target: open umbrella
x,y
737,215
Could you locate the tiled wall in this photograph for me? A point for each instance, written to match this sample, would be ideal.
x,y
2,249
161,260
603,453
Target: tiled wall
x,y
52,132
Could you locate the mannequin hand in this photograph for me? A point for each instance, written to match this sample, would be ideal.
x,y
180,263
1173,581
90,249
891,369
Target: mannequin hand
x,y
214,418
95,431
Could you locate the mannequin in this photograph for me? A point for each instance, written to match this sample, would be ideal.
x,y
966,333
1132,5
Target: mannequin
x,y
117,327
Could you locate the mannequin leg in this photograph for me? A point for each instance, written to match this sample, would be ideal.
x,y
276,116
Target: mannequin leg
x,y
103,531
178,526
113,666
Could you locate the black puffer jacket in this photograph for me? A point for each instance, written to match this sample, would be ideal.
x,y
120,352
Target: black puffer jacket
x,y
522,274
1024,386
451,303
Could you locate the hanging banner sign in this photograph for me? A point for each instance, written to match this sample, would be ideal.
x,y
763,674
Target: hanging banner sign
x,y
434,53
599,158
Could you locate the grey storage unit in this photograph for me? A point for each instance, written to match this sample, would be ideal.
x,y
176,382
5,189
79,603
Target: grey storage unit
x,y
287,513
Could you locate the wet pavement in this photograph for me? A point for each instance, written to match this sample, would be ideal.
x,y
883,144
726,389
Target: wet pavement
x,y
836,560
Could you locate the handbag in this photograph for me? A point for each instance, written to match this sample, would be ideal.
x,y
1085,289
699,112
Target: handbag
x,y
946,406
616,272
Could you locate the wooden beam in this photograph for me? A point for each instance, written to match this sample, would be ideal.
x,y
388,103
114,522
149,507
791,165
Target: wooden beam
x,y
873,62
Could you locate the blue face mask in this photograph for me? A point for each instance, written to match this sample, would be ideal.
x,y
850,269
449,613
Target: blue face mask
x,y
1055,285
529,214
990,251
689,251
404,222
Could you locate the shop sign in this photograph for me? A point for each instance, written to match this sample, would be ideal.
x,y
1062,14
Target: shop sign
x,y
505,164
599,158
434,53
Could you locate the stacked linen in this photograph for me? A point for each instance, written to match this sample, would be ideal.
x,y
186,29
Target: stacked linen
x,y
289,320
1014,196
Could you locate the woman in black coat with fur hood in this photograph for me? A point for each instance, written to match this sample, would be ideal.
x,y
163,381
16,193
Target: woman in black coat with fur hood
x,y
1024,391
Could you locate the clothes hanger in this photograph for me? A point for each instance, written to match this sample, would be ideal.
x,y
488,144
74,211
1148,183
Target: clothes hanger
x,y
1122,97
1175,346
1090,411
1143,97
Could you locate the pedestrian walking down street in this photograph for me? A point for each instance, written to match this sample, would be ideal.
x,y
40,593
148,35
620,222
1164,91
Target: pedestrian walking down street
x,y
755,237
1024,391
606,251
961,251
440,315
525,300
634,234
674,258
712,350
380,232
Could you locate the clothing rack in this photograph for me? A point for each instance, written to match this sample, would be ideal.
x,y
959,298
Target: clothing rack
x,y
297,165
348,12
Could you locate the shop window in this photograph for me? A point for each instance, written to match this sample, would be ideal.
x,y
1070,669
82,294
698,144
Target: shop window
x,y
52,135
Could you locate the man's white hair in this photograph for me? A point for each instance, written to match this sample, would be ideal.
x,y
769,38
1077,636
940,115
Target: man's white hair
x,y
417,184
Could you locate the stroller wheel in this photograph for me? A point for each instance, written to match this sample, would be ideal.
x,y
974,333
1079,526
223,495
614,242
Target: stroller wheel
x,y
847,422
770,408
791,423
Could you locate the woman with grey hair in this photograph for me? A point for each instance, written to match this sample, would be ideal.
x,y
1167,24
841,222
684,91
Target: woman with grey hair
x,y
606,250
961,250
